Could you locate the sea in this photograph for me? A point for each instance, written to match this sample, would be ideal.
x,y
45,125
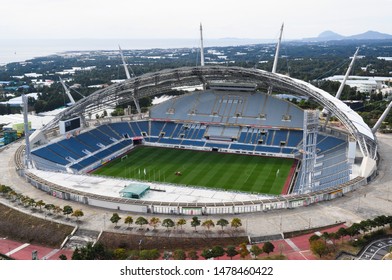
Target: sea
x,y
18,50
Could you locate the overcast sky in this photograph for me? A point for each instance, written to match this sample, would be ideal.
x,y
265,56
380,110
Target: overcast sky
x,y
180,18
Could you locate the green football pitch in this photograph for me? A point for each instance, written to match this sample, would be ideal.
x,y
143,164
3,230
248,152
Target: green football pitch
x,y
234,172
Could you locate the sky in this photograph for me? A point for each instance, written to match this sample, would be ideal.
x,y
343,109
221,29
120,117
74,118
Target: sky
x,y
141,19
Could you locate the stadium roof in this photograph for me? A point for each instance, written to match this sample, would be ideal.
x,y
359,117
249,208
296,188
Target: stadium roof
x,y
350,114
151,84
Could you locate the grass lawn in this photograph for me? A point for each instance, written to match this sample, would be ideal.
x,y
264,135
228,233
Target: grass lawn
x,y
207,169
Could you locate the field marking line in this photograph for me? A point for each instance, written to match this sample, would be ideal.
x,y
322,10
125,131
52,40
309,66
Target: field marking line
x,y
17,249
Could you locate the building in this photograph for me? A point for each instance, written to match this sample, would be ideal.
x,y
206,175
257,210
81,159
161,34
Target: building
x,y
363,83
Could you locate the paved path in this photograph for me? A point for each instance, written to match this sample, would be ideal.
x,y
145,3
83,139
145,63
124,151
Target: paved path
x,y
23,251
367,202
376,250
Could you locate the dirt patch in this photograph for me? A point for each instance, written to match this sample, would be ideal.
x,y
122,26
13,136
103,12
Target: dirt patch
x,y
26,228
132,241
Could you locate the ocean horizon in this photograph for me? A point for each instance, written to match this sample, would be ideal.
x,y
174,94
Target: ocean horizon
x,y
18,50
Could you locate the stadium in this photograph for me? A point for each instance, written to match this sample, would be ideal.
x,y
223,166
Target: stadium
x,y
228,146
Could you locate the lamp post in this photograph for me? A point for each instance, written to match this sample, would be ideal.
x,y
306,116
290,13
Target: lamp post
x,y
104,221
280,224
359,202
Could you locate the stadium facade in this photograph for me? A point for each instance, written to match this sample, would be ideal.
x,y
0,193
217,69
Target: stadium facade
x,y
234,113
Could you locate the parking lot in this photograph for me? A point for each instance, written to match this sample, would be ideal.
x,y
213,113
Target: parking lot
x,y
376,250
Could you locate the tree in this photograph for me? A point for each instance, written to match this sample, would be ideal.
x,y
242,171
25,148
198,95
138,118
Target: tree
x,y
353,230
5,189
381,220
154,222
217,251
67,210
39,204
222,222
49,207
20,197
243,251
193,255
313,237
141,221
236,223
318,247
208,224
149,254
231,251
120,254
77,213
12,194
90,252
334,236
268,247
28,201
325,236
57,210
195,222
134,255
364,226
115,218
342,232
207,254
181,222
128,220
255,250
168,223
179,254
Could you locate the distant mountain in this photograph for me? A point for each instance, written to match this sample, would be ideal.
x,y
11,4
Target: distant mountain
x,y
330,36
371,35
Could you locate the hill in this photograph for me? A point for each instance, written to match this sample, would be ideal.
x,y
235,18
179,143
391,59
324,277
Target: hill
x,y
368,35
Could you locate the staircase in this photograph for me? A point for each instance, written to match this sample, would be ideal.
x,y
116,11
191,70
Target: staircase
x,y
79,238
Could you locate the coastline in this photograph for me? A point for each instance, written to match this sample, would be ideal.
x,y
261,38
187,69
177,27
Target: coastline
x,y
19,50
